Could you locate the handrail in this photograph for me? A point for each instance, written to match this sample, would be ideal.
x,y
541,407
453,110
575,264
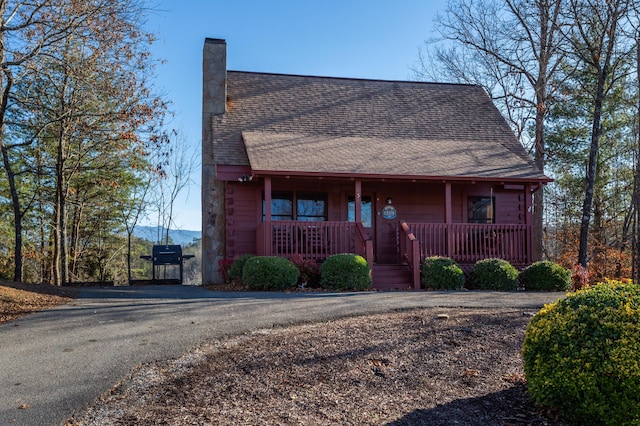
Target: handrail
x,y
366,244
411,252
407,230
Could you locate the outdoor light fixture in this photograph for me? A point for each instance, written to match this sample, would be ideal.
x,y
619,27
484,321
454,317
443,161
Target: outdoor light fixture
x,y
245,178
389,200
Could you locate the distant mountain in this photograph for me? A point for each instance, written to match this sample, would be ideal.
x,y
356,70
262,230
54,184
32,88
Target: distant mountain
x,y
178,236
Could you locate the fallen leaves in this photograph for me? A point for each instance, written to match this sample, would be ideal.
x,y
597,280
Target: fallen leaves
x,y
19,299
401,368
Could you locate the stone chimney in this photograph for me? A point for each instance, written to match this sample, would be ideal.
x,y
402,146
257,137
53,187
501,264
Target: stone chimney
x,y
214,76
214,100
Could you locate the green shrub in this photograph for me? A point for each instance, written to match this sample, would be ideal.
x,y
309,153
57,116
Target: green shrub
x,y
547,276
269,273
235,272
581,355
345,272
494,274
441,273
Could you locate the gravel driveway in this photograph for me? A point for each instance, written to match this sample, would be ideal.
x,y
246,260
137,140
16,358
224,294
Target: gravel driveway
x,y
56,362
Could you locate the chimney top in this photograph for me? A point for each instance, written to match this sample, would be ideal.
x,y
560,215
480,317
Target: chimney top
x,y
215,40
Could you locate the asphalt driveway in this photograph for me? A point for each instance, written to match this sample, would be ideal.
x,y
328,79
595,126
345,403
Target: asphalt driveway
x,y
56,362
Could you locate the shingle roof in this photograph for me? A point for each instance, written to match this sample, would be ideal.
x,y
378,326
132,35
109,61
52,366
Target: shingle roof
x,y
293,124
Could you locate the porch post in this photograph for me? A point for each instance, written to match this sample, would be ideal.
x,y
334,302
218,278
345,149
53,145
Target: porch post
x,y
448,218
358,201
528,220
267,228
367,245
267,199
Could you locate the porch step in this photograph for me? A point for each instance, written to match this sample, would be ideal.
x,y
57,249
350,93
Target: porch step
x,y
391,277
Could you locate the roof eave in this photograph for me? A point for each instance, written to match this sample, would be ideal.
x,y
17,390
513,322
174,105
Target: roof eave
x,y
341,175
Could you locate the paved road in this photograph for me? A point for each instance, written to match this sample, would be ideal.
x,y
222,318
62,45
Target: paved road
x,y
56,362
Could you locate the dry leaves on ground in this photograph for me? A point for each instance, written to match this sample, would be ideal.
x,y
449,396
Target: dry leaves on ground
x,y
425,367
19,299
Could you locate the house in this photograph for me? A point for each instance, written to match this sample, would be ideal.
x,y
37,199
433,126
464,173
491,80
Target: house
x,y
392,170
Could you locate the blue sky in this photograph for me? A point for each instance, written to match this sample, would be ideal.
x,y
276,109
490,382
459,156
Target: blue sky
x,y
376,39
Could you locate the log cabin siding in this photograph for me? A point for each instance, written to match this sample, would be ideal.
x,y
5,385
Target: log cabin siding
x,y
511,207
414,203
242,215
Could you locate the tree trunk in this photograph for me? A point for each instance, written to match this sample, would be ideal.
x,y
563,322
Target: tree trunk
x,y
17,213
635,238
599,55
58,229
74,241
591,169
539,158
129,258
11,176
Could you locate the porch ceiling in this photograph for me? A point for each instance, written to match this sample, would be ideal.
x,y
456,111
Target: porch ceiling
x,y
333,155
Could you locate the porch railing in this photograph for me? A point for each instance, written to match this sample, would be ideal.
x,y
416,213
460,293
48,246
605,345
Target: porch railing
x,y
311,240
465,243
470,242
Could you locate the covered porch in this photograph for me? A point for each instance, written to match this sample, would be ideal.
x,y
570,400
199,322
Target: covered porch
x,y
401,237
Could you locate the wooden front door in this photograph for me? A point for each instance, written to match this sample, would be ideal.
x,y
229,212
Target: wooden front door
x,y
386,235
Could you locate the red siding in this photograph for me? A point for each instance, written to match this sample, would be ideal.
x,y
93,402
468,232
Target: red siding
x,y
242,213
414,203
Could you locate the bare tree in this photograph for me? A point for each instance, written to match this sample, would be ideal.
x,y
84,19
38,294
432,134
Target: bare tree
x,y
598,47
514,49
635,220
132,212
175,166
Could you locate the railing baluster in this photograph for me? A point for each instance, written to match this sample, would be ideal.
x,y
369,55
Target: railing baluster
x,y
468,242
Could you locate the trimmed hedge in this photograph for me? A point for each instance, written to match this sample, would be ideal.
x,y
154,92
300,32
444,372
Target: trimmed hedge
x,y
581,355
494,274
270,273
235,272
546,276
441,273
345,272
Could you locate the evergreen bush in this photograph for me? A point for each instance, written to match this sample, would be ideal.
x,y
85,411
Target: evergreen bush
x,y
494,274
270,273
235,271
546,276
345,272
441,273
581,355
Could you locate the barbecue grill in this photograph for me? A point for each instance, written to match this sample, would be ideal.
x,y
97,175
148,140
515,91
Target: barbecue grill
x,y
167,255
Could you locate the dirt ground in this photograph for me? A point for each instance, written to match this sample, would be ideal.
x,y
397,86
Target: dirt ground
x,y
423,367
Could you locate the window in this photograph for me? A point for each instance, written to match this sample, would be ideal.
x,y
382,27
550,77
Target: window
x,y
312,207
281,206
308,207
366,211
481,209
